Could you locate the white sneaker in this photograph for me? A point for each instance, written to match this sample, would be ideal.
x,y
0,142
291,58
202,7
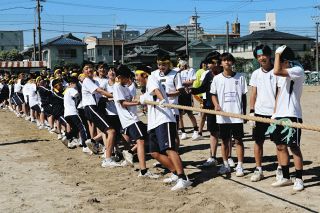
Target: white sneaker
x,y
53,130
149,174
282,182
71,145
181,184
210,162
184,136
86,150
239,171
59,136
92,146
65,141
257,175
27,118
298,185
179,132
172,179
41,126
128,156
279,174
224,170
231,163
157,163
195,136
32,120
109,163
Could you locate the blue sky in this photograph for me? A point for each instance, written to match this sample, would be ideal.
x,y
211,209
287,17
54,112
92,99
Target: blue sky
x,y
91,17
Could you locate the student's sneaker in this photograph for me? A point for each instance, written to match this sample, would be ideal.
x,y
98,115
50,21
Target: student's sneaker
x,y
239,171
86,150
179,132
224,170
298,185
231,163
149,174
41,126
23,115
109,163
181,184
27,118
156,164
128,156
172,179
53,130
65,141
210,162
92,146
279,174
282,182
59,136
257,175
71,145
32,120
195,136
183,136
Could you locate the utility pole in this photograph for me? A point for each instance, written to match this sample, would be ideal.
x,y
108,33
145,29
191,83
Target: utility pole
x,y
34,45
187,38
123,30
112,35
196,21
227,38
39,29
316,19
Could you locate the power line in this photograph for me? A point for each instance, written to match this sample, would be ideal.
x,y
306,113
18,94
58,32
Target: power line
x,y
13,8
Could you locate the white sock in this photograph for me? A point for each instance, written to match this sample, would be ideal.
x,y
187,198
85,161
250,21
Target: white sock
x,y
239,164
225,163
259,168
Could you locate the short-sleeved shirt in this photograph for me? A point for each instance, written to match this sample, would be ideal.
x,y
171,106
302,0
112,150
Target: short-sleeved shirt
x,y
89,87
69,103
288,103
110,105
188,75
229,91
127,115
266,84
156,114
33,95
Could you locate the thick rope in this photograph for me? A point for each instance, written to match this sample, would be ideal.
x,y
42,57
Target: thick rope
x,y
245,117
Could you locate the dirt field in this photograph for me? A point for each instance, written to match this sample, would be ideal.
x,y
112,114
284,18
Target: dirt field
x,y
38,174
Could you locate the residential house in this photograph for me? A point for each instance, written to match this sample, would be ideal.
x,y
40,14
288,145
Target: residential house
x,y
11,40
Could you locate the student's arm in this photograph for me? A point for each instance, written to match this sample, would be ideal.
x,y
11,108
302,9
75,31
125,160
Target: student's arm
x,y
215,102
244,104
103,92
253,98
129,103
158,93
173,94
204,85
277,67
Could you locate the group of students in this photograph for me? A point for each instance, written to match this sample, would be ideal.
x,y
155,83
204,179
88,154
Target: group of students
x,y
101,106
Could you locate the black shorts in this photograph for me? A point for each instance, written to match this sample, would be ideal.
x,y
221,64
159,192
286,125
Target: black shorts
x,y
279,139
136,131
259,131
18,98
234,130
47,109
212,125
36,108
99,119
177,121
185,100
162,137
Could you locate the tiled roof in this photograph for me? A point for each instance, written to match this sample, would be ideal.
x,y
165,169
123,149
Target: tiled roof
x,y
64,40
147,51
196,45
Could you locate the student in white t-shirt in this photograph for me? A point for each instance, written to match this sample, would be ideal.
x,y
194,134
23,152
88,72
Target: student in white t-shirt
x,y
263,84
228,91
288,106
162,128
133,127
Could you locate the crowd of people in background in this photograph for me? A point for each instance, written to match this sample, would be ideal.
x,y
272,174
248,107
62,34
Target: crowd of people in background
x,y
98,108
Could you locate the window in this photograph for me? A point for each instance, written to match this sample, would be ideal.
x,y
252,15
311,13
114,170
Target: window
x,y
110,52
1,35
99,52
2,47
304,47
67,53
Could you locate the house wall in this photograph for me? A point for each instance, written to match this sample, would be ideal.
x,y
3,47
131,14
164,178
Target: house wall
x,y
11,40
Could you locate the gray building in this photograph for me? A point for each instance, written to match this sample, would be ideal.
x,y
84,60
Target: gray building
x,y
121,33
11,40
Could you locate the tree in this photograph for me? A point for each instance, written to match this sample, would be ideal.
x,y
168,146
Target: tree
x,y
240,64
307,61
11,55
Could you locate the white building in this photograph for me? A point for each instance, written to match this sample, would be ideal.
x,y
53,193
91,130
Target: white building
x,y
11,40
268,24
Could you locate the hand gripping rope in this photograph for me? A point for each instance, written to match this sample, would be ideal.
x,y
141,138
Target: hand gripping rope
x,y
283,122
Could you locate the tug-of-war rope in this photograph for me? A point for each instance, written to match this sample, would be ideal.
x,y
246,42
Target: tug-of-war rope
x,y
283,122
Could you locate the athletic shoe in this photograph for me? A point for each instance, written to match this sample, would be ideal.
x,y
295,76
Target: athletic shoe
x,y
239,171
92,146
128,156
71,145
23,115
41,126
149,174
53,130
179,132
279,174
59,137
156,164
184,136
224,170
210,162
181,184
282,182
195,136
27,118
298,185
172,179
86,150
32,120
257,175
65,141
231,163
109,163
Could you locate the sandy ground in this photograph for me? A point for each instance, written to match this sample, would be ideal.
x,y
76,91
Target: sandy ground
x,y
38,174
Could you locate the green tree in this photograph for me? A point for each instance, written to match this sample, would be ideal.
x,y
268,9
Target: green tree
x,y
240,64
11,55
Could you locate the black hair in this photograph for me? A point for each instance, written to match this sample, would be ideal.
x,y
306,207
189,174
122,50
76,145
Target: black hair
x,y
163,57
287,54
227,56
215,55
266,50
124,71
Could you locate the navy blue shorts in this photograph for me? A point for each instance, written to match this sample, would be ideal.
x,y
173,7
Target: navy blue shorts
x,y
18,98
36,108
136,131
162,137
279,139
212,125
47,109
234,130
100,120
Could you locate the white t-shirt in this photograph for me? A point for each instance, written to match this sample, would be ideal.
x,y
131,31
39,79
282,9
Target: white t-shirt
x,y
110,105
127,115
25,91
133,89
102,82
229,91
89,87
188,75
33,95
266,84
69,103
171,82
288,105
156,114
17,86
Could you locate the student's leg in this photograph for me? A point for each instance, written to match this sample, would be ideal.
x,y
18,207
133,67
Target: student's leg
x,y
193,120
298,160
176,161
213,144
110,140
141,154
240,149
284,159
164,160
258,152
202,122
